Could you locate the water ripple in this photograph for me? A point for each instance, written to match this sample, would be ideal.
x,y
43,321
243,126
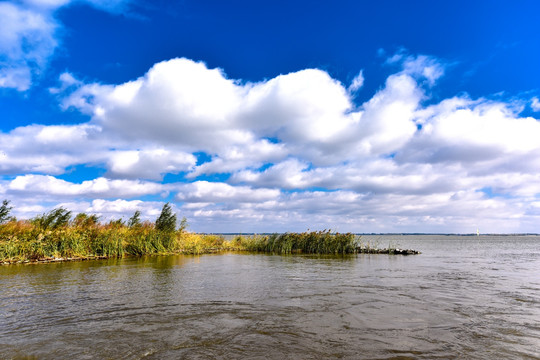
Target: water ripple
x,y
462,298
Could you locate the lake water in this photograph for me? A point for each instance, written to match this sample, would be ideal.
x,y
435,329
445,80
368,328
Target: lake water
x,y
463,297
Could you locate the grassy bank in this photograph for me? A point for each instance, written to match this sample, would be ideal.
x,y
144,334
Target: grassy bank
x,y
58,235
55,235
23,241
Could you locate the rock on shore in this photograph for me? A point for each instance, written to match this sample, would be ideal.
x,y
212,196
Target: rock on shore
x,y
388,251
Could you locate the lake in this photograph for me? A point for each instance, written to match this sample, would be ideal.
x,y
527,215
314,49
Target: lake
x,y
463,297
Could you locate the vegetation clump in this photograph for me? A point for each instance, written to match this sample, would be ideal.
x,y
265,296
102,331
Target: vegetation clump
x,y
312,242
54,219
5,209
56,236
166,221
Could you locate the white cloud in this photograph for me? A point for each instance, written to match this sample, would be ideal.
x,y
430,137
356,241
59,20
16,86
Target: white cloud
x,y
49,186
357,82
421,67
349,211
67,80
193,105
535,104
309,114
213,192
29,36
290,152
177,101
49,4
26,42
115,209
468,132
238,157
306,106
106,210
54,149
424,66
49,149
183,102
288,174
148,164
388,119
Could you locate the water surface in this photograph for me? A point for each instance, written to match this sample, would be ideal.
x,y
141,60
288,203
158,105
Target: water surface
x,y
463,297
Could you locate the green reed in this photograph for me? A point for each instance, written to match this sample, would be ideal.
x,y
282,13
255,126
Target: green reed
x,y
84,237
30,241
313,242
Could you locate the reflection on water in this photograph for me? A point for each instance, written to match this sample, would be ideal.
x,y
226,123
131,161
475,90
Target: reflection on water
x,y
464,297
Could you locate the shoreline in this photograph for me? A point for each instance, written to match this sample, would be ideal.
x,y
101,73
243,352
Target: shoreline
x,y
23,242
48,260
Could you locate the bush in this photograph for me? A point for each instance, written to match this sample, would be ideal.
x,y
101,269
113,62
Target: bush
x,y
166,221
84,220
54,219
314,242
135,220
5,209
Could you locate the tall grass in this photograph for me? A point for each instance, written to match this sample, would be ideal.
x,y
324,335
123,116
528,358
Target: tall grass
x,y
314,242
30,241
55,235
84,237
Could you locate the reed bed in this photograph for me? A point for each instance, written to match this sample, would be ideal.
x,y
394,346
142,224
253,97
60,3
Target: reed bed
x,y
55,236
28,241
23,241
313,242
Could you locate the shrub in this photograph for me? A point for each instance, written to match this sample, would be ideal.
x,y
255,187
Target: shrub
x,y
167,219
5,209
84,220
54,219
135,220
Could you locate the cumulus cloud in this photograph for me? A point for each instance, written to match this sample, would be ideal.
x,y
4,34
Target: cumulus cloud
x,y
49,149
307,105
148,164
350,211
469,132
106,210
288,174
286,153
177,101
307,114
215,192
238,157
183,102
119,208
387,122
45,185
55,149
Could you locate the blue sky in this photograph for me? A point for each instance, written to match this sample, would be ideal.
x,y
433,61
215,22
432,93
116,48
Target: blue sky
x,y
386,116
